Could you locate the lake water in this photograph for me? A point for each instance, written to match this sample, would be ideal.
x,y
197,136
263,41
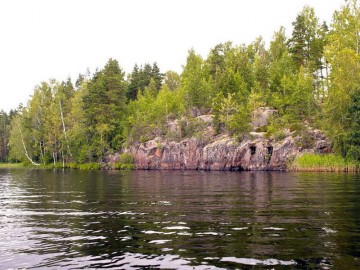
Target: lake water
x,y
178,220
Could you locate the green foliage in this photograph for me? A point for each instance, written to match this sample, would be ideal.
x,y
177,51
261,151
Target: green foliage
x,y
239,123
196,88
231,115
11,165
90,166
5,120
148,114
191,127
276,128
127,167
72,165
172,80
126,158
216,108
343,54
126,162
352,138
141,78
104,106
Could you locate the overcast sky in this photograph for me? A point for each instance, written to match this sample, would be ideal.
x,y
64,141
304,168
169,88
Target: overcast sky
x,y
42,39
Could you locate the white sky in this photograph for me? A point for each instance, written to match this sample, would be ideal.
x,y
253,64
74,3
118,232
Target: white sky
x,y
42,39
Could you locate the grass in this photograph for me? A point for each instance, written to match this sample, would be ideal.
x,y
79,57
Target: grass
x,y
11,165
323,163
85,166
126,162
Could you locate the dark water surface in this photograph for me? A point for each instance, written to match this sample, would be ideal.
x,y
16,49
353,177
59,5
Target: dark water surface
x,y
178,220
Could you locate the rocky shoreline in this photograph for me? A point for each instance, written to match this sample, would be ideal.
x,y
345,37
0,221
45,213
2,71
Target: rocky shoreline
x,y
224,153
256,152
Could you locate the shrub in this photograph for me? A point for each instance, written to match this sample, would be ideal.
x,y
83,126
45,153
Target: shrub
x,y
59,165
72,165
90,166
126,158
126,162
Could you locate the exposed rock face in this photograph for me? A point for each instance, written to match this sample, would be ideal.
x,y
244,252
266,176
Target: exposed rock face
x,y
257,152
224,153
261,116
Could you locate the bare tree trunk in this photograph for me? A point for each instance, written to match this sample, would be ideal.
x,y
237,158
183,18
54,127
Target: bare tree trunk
x,y
322,82
54,158
41,151
327,77
26,152
64,128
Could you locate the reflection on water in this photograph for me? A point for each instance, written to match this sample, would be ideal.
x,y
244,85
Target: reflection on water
x,y
178,220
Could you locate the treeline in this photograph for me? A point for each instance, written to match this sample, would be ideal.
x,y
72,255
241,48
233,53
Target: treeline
x,y
311,77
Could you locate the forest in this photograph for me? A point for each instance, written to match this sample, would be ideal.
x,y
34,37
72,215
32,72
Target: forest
x,y
311,77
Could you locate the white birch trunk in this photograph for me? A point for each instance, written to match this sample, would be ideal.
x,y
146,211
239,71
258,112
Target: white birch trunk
x,y
64,128
26,152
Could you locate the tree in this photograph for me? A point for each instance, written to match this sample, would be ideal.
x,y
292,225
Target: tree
x,y
134,84
296,100
157,76
217,63
4,136
148,114
141,78
343,56
261,65
345,82
234,116
345,32
37,121
280,67
304,44
195,85
104,107
61,107
352,139
172,80
307,46
19,142
79,139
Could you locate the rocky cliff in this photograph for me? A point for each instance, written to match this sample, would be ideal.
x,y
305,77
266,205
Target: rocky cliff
x,y
224,153
255,152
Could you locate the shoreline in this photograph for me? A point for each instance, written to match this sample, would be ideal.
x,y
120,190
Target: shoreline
x,y
131,167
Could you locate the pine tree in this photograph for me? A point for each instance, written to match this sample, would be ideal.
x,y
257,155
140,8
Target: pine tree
x,y
157,76
4,133
104,107
134,84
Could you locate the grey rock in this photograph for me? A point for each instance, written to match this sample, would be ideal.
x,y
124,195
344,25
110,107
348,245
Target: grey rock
x,y
261,116
255,152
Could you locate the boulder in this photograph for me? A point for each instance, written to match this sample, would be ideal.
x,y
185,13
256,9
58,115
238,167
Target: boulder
x,y
261,117
174,126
